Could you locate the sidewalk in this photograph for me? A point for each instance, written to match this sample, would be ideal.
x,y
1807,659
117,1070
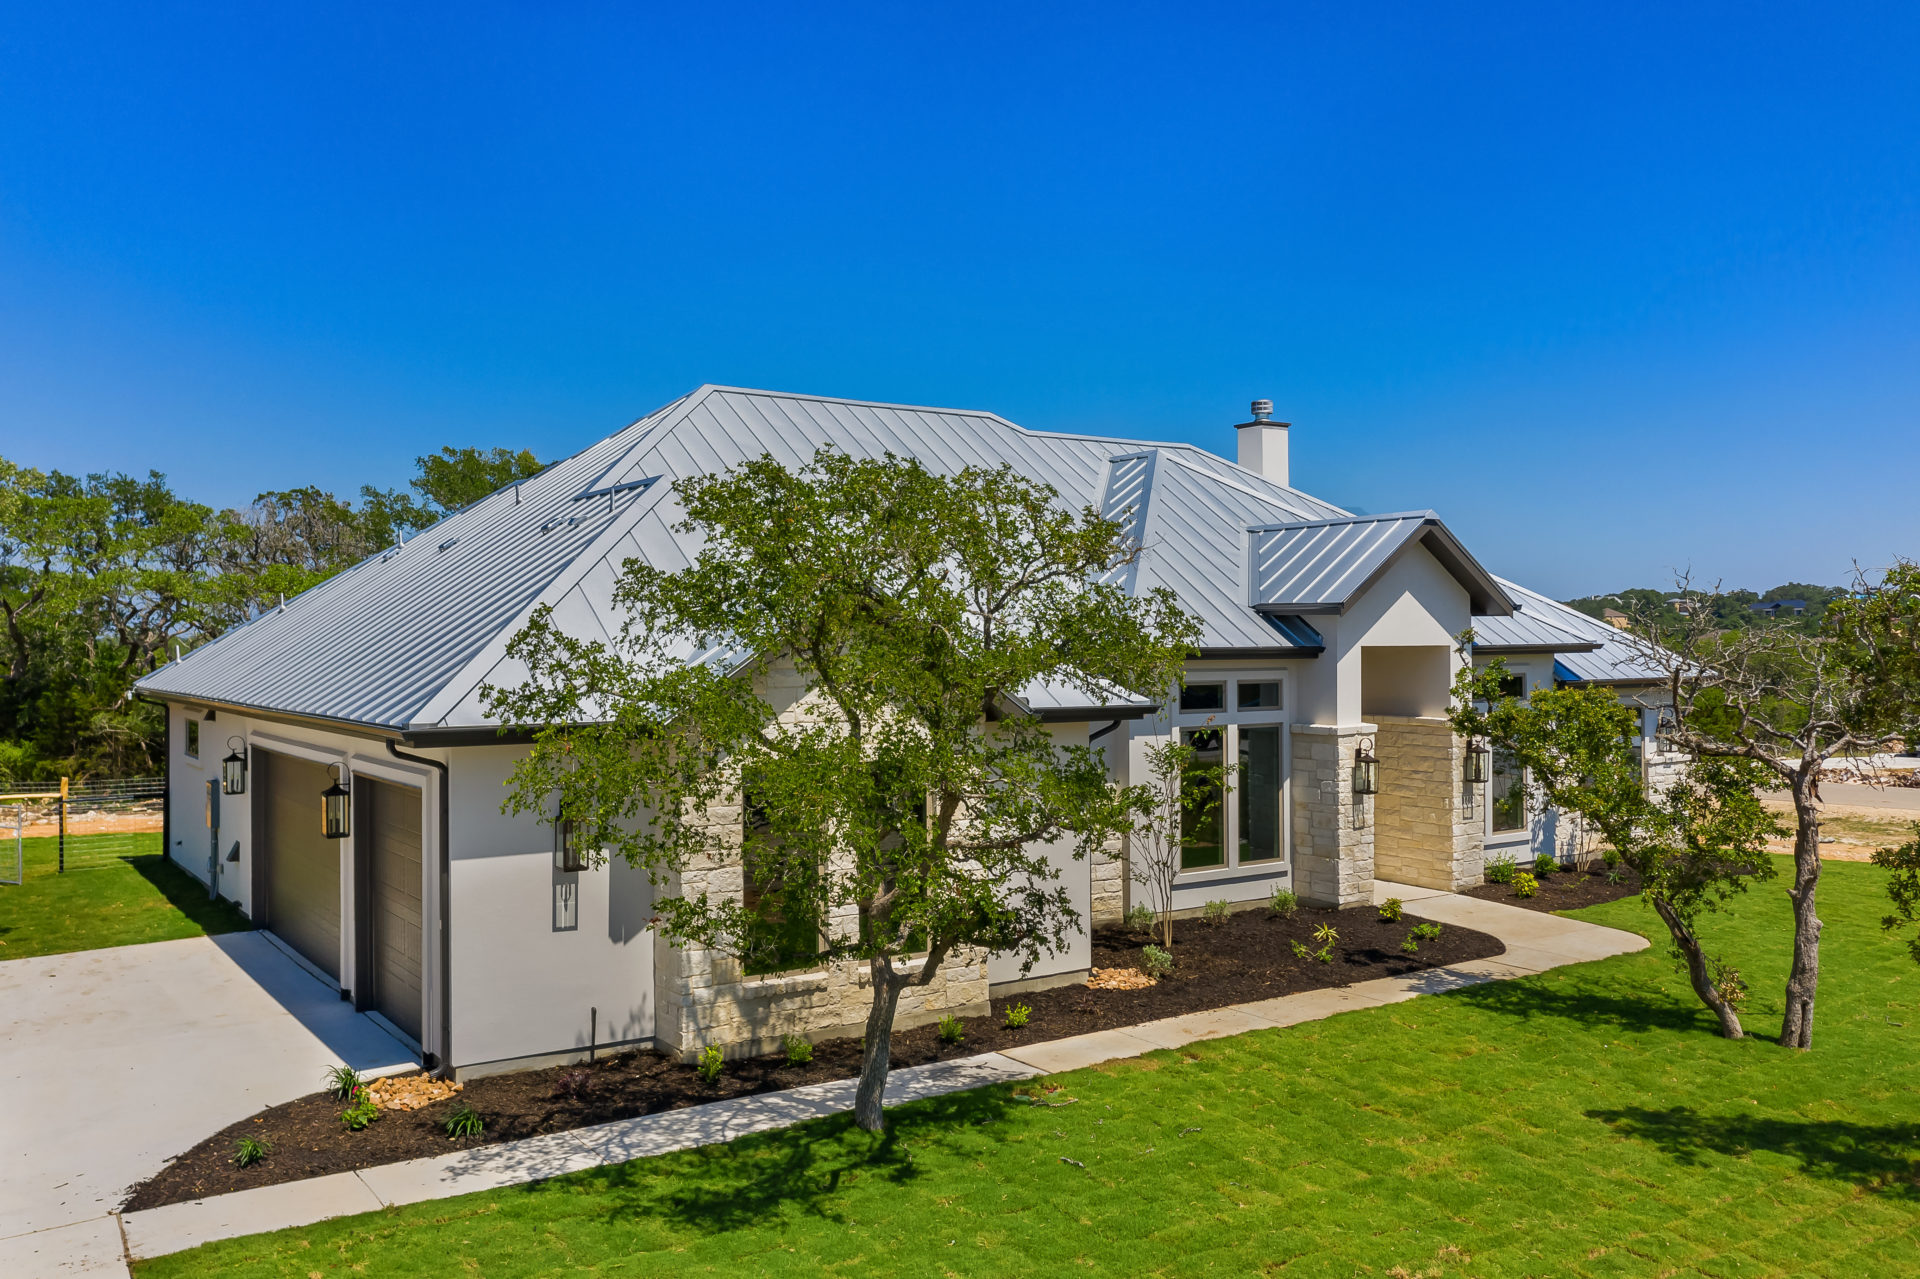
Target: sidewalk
x,y
1535,942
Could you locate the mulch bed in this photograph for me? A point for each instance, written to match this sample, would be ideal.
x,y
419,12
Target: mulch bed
x,y
1562,890
1246,958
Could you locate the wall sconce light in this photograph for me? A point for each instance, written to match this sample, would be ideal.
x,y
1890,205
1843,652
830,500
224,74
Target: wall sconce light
x,y
335,822
567,853
1478,760
1366,769
233,769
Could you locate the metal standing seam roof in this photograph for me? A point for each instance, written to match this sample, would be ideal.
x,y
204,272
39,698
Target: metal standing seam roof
x,y
1615,658
1322,566
406,639
1526,631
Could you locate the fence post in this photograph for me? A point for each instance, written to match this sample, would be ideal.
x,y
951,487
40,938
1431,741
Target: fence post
x,y
63,826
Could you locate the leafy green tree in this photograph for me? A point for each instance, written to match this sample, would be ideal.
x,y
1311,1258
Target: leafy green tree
x,y
1179,796
448,481
1694,843
1903,886
833,692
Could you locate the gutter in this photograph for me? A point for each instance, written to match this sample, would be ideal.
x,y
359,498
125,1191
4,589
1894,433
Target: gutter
x,y
441,1063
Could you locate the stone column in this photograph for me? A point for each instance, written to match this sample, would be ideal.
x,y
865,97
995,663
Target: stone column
x,y
1332,828
1428,824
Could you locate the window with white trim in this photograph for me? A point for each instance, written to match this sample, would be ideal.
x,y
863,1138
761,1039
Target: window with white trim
x,y
1238,722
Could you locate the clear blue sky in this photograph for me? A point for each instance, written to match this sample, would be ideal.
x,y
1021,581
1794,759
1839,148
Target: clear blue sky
x,y
1614,289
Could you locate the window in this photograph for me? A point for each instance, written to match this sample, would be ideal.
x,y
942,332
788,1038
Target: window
x,y
1513,685
1258,785
780,938
1509,799
1203,697
1259,696
1202,821
193,737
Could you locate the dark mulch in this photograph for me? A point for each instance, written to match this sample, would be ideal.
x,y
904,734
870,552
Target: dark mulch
x,y
1246,958
1563,890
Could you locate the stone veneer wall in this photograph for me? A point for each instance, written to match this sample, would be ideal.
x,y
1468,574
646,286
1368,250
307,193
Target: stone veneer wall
x,y
1112,892
1332,828
1428,827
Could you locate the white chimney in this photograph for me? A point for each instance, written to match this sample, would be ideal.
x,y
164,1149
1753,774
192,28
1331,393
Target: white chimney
x,y
1263,443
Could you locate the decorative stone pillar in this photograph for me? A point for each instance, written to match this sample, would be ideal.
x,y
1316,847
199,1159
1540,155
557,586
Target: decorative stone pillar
x,y
1332,827
1108,877
1428,826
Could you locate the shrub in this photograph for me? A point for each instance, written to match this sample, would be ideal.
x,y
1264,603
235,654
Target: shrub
x,y
1544,865
1390,910
951,1031
799,1049
1610,858
573,1083
1410,944
1427,931
249,1151
1215,913
1154,962
707,1065
1525,885
1300,950
360,1110
464,1121
341,1081
1327,938
1140,918
1500,870
1283,903
1017,1015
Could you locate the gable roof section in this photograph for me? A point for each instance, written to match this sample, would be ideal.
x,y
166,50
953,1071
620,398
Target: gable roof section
x,y
1526,630
1322,566
1614,657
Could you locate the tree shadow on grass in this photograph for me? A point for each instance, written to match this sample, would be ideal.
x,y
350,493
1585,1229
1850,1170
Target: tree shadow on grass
x,y
1878,1157
757,1179
1586,1005
188,895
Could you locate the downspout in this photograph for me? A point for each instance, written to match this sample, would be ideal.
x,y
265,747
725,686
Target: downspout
x,y
444,1064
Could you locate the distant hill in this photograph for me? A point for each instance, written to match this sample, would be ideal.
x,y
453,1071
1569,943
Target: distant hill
x,y
1732,610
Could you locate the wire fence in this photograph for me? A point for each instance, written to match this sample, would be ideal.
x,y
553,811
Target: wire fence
x,y
88,824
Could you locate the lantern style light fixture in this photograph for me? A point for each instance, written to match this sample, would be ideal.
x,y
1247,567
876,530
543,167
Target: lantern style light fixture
x,y
1366,769
335,809
233,769
1478,758
567,853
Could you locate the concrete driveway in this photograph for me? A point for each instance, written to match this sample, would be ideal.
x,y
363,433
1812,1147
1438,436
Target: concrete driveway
x,y
113,1061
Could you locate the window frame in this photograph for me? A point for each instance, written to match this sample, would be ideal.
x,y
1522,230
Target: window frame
x,y
1228,721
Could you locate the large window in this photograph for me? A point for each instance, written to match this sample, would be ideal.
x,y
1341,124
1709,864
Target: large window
x,y
1238,722
1508,793
781,936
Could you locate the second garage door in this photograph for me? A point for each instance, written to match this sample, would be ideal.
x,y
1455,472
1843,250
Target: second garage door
x,y
300,866
389,907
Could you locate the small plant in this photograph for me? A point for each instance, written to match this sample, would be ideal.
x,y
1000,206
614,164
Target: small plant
x,y
1283,903
1215,913
573,1083
1390,910
1428,931
464,1121
360,1110
707,1065
1525,885
1501,870
799,1049
1140,918
1017,1015
1544,865
341,1081
1328,939
1614,876
249,1151
1410,944
1300,950
1154,962
951,1031
1610,858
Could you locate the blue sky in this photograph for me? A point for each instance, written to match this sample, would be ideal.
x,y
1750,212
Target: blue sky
x,y
1615,289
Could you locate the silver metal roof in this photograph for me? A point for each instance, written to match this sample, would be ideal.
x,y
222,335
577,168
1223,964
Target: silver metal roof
x,y
1526,631
1322,566
1616,656
405,640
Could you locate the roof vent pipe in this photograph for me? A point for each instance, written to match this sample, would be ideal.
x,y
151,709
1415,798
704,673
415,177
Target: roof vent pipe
x,y
1263,443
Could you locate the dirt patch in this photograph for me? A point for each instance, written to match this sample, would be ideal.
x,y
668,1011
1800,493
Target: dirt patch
x,y
1563,890
1248,957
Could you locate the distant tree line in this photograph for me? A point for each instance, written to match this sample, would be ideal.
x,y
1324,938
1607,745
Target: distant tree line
x,y
104,576
1727,610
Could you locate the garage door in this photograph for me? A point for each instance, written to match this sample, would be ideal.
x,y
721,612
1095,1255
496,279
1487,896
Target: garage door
x,y
301,866
390,907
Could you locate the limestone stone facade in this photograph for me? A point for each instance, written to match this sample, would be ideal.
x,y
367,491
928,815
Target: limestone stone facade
x,y
1428,824
1333,829
1112,892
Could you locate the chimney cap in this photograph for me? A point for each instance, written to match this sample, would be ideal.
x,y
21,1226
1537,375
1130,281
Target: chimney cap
x,y
1262,410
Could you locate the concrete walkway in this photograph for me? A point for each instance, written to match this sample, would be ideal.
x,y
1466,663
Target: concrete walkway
x,y
114,1061
1535,942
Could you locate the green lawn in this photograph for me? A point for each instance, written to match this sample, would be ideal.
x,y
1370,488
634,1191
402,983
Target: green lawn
x,y
1585,1122
127,899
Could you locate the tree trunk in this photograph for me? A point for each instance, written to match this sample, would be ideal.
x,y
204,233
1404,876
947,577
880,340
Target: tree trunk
x,y
877,1049
1803,981
1697,971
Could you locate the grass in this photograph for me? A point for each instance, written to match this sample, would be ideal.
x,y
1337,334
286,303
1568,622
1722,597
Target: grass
x,y
121,901
1584,1122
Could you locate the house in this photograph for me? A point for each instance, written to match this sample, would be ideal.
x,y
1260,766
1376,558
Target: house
x,y
1774,608
1327,636
1615,618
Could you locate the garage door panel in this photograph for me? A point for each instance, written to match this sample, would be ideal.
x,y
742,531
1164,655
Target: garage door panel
x,y
393,863
301,865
